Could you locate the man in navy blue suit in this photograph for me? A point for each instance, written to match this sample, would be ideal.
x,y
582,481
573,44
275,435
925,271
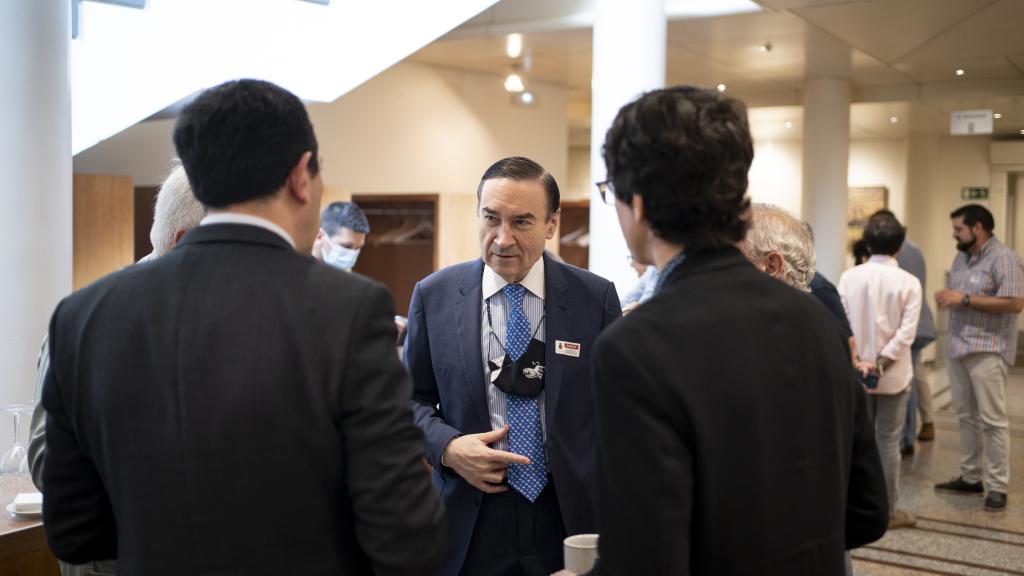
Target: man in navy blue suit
x,y
499,351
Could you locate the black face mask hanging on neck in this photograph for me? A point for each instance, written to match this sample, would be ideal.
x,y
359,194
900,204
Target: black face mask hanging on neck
x,y
523,377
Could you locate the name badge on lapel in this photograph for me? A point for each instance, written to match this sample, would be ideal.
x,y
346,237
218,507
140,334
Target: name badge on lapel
x,y
567,348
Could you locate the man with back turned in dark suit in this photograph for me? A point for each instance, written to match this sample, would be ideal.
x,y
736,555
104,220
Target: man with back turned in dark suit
x,y
235,407
732,436
499,351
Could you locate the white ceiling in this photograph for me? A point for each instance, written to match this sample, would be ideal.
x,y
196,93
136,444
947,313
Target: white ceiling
x,y
904,54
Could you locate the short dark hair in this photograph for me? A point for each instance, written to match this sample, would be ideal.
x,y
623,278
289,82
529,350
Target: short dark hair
x,y
239,141
860,251
686,151
521,169
884,234
340,215
972,213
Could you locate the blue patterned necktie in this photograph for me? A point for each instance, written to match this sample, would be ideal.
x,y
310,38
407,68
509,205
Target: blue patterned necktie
x,y
525,435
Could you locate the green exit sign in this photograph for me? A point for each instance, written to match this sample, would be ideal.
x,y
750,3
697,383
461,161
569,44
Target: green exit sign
x,y
974,193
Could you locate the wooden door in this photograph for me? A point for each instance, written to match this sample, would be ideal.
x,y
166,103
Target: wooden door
x,y
401,248
103,226
574,233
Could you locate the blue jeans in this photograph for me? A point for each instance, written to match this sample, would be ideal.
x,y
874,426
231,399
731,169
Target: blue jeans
x,y
910,425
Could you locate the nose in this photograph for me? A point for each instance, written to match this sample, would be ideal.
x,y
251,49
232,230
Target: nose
x,y
504,238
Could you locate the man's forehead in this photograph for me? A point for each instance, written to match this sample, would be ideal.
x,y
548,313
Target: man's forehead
x,y
508,210
518,198
345,233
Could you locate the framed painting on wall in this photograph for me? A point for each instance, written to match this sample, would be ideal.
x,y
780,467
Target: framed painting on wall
x,y
861,203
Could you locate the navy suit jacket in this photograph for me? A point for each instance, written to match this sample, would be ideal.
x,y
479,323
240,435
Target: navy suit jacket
x,y
442,353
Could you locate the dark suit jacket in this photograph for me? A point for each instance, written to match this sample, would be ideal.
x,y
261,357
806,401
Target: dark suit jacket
x,y
733,437
450,395
827,294
234,407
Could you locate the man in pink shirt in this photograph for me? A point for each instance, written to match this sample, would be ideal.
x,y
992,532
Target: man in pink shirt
x,y
883,304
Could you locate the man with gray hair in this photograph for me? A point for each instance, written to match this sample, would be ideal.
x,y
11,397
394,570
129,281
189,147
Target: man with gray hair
x,y
177,211
779,244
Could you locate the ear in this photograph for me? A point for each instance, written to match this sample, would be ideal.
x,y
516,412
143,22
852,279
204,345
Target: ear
x,y
178,236
637,207
774,264
318,244
552,224
299,180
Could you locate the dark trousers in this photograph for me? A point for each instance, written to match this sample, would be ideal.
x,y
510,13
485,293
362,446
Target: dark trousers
x,y
513,537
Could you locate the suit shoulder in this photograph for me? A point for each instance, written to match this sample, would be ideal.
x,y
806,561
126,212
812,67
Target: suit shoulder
x,y
449,275
596,284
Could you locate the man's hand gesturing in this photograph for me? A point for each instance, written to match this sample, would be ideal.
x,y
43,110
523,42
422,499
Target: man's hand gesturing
x,y
482,466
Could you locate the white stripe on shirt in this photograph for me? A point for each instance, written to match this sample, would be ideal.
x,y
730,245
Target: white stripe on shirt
x,y
492,341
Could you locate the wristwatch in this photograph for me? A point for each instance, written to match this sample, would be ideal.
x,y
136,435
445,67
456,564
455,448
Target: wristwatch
x,y
966,302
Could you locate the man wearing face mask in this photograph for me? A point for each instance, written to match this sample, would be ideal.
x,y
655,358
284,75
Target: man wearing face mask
x,y
343,230
499,351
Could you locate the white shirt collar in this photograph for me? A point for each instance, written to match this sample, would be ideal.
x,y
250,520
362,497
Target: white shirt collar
x,y
236,218
534,280
883,259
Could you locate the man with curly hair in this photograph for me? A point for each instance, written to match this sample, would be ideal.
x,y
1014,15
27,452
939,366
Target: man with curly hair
x,y
732,436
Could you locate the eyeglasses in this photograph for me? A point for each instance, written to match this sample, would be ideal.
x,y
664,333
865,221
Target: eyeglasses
x,y
607,192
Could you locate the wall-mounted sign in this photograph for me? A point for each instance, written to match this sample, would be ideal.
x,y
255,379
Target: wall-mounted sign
x,y
974,193
970,122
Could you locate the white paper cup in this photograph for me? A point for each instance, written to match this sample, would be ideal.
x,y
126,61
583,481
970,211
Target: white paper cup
x,y
580,553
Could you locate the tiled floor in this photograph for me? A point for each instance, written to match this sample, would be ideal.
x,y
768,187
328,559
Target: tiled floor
x,y
954,534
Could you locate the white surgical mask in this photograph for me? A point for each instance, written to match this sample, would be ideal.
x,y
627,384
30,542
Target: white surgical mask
x,y
339,256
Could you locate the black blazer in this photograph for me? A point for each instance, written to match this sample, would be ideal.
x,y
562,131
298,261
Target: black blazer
x,y
234,407
732,436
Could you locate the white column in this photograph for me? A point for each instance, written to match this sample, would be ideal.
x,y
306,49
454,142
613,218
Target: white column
x,y
629,59
826,149
930,213
35,160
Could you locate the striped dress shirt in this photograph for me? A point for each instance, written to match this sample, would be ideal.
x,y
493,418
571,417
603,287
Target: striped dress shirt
x,y
994,271
492,339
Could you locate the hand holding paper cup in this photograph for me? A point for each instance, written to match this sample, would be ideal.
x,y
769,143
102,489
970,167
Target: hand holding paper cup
x,y
580,553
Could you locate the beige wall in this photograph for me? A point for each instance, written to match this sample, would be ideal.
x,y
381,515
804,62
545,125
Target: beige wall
x,y
775,175
417,128
143,152
413,129
962,162
578,185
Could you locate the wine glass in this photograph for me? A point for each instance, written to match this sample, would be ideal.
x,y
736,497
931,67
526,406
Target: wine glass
x,y
15,460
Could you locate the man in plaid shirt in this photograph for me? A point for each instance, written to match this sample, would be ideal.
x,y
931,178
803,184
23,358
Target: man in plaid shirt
x,y
984,293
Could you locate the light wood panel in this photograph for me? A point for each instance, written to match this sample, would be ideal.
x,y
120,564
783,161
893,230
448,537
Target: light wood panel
x,y
458,236
103,226
334,194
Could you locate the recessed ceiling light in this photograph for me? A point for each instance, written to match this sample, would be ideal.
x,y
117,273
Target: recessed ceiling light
x,y
526,97
1022,131
960,72
787,124
514,45
893,119
721,87
997,115
766,47
514,83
